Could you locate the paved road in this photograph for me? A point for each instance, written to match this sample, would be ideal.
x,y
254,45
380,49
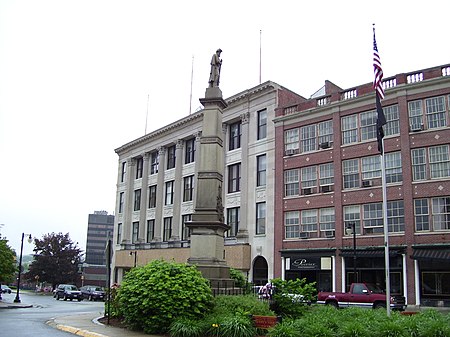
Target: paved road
x,y
29,322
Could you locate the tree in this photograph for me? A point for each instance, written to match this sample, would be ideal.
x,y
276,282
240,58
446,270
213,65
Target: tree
x,y
56,260
7,262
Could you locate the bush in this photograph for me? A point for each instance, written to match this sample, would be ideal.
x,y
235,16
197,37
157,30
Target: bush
x,y
245,304
153,296
292,296
240,280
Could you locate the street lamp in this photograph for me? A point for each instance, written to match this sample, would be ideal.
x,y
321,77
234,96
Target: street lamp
x,y
17,299
135,257
351,229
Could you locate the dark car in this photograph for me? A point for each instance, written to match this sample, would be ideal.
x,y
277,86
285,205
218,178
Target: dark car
x,y
93,293
68,292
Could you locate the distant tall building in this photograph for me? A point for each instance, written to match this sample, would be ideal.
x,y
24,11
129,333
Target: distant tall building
x,y
94,267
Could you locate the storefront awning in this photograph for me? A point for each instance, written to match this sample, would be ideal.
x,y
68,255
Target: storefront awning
x,y
368,253
431,254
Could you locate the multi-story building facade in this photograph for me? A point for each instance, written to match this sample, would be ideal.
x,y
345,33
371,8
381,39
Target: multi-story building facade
x,y
100,227
328,186
156,187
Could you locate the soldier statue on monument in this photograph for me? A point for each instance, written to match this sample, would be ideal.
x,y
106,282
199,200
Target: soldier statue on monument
x,y
216,64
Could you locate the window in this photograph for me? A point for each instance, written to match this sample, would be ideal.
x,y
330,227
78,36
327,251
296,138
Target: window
x,y
186,232
235,136
169,193
137,200
368,125
351,173
261,170
154,162
261,218
262,124
421,215
121,200
371,167
435,112
167,229
366,122
326,219
291,141
135,236
233,219
291,183
418,164
438,162
349,125
309,179
441,213
373,218
234,178
352,215
152,196
396,216
150,230
189,155
139,167
308,138
393,167
119,233
326,176
188,188
124,172
415,115
309,220
392,126
292,224
171,157
325,130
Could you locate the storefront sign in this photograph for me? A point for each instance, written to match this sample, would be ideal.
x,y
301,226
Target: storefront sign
x,y
311,263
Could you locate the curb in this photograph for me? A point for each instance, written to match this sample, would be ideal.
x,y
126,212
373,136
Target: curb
x,y
75,331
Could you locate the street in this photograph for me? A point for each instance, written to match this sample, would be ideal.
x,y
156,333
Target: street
x,y
27,322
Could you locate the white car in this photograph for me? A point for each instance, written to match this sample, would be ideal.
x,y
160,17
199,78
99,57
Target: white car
x,y
6,289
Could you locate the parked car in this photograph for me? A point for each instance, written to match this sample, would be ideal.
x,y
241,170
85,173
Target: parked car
x,y
93,293
6,289
68,292
362,295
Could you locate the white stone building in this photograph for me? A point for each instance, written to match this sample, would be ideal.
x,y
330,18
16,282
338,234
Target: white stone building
x,y
156,187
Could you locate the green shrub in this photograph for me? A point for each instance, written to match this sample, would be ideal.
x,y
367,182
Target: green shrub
x,y
237,326
286,300
151,297
287,328
187,327
245,304
433,324
239,278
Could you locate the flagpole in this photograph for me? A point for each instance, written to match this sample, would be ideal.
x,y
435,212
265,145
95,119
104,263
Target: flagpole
x,y
381,120
386,235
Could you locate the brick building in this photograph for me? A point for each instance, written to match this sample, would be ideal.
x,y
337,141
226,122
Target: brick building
x,y
328,183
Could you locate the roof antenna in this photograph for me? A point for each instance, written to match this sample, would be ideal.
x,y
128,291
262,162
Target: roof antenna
x,y
192,76
146,116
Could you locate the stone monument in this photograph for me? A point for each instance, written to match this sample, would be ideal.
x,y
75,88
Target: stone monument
x,y
208,223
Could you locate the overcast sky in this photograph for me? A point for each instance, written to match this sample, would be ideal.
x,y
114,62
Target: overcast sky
x,y
75,78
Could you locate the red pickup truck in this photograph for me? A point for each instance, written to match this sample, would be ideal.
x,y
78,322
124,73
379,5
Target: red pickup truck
x,y
362,295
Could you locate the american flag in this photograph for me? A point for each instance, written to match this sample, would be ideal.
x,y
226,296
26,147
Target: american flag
x,y
378,71
377,85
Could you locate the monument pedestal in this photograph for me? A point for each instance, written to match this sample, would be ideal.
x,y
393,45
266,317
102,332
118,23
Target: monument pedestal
x,y
207,225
